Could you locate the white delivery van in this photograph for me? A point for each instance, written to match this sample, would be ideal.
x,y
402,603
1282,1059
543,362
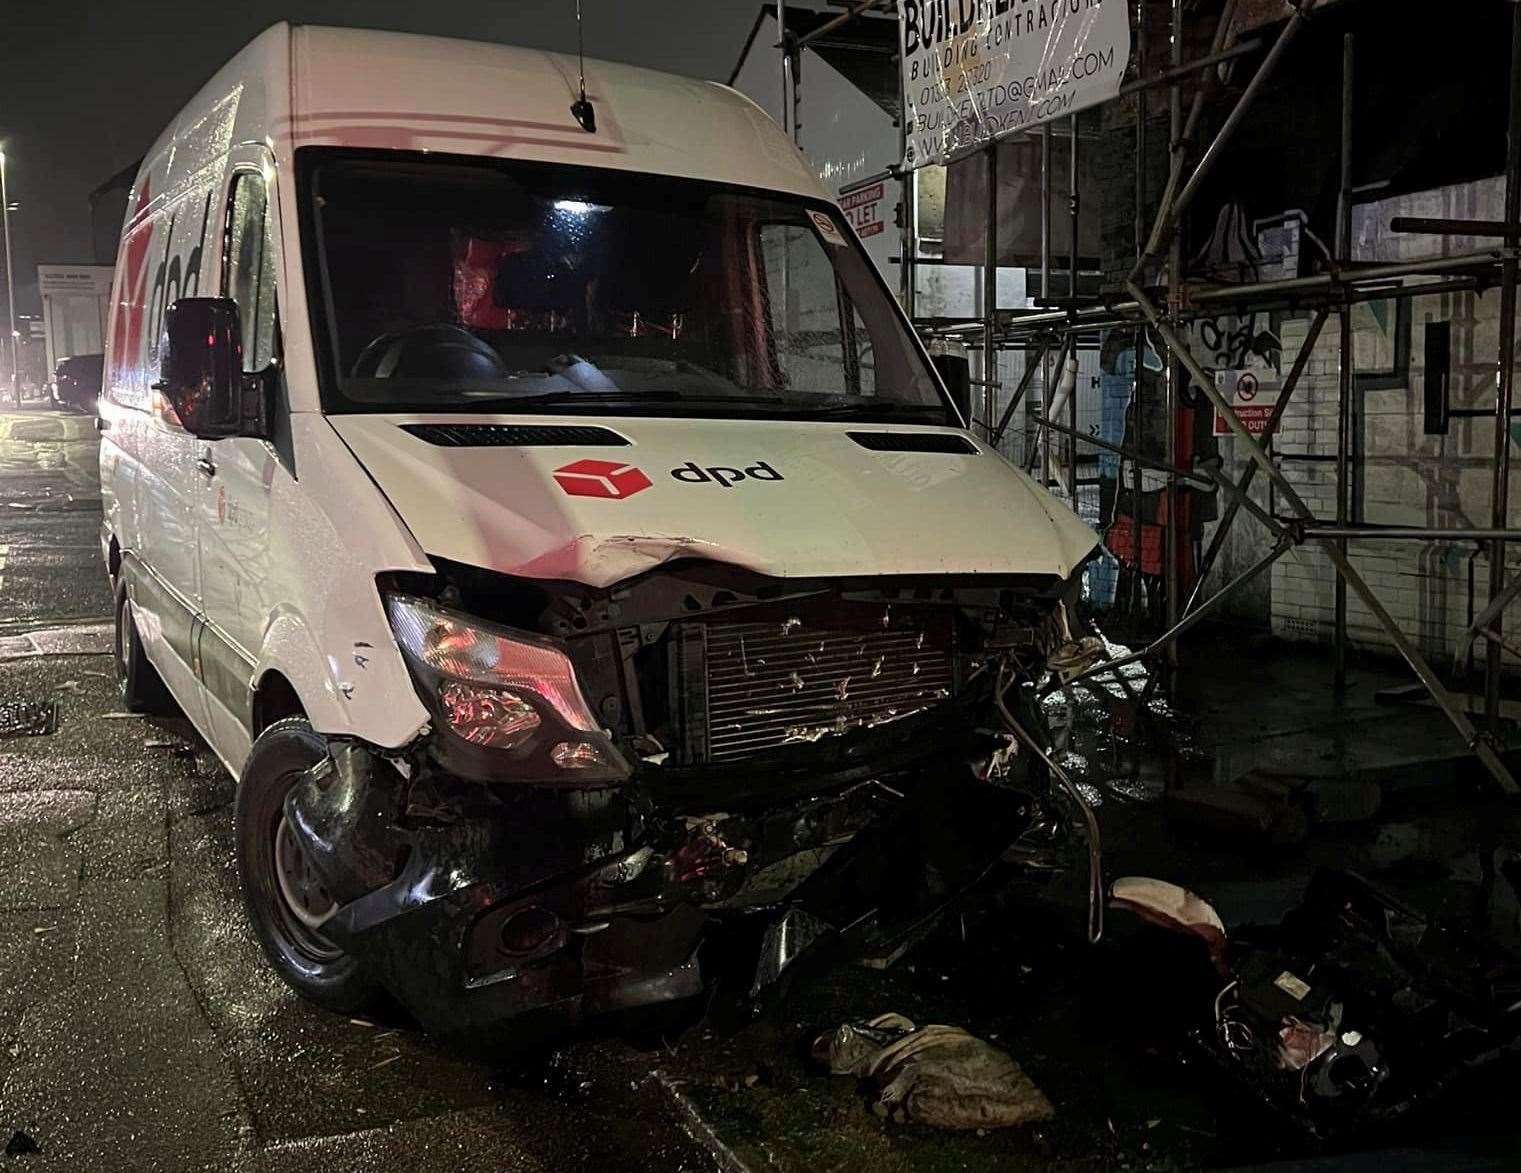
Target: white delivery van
x,y
554,525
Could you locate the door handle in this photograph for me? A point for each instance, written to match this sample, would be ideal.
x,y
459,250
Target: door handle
x,y
206,464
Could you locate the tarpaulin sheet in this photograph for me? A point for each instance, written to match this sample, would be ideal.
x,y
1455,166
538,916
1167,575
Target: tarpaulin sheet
x,y
1019,206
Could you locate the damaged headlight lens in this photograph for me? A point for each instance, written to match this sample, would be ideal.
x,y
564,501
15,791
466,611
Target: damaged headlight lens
x,y
503,690
488,716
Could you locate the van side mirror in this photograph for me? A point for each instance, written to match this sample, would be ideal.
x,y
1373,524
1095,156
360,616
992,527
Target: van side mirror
x,y
201,371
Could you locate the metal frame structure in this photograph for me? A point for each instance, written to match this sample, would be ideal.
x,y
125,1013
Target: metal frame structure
x,y
1160,311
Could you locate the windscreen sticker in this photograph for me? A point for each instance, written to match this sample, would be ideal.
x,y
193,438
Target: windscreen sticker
x,y
825,228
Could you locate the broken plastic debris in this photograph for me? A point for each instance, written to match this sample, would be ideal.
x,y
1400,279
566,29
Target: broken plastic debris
x,y
1076,657
1301,1043
1171,907
28,718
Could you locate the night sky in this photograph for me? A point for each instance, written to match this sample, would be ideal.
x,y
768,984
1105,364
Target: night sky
x,y
86,85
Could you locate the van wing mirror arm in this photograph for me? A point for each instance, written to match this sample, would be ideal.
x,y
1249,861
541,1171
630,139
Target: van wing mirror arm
x,y
256,400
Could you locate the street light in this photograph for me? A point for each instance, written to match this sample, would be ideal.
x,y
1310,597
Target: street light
x,y
10,285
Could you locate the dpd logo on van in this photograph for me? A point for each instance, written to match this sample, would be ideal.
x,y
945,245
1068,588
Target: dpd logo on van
x,y
723,476
614,481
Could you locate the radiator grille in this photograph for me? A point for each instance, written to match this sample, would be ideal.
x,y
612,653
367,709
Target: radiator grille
x,y
774,684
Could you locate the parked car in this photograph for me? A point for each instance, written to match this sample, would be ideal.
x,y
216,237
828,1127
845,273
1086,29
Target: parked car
x,y
77,382
560,533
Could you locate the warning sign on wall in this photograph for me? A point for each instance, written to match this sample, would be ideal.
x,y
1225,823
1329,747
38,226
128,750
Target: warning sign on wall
x,y
863,209
1253,394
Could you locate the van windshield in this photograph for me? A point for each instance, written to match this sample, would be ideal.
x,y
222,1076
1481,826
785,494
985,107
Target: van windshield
x,y
448,285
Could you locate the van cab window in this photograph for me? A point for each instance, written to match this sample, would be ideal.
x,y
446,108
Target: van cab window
x,y
821,341
445,285
250,277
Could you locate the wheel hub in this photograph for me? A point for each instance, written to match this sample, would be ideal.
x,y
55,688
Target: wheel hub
x,y
302,892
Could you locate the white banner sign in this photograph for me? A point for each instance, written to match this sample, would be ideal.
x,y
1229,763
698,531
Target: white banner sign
x,y
977,70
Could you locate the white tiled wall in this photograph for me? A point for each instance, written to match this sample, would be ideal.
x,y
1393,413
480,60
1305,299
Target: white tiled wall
x,y
1408,478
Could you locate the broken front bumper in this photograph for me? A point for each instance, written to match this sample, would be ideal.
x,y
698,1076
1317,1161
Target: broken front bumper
x,y
486,906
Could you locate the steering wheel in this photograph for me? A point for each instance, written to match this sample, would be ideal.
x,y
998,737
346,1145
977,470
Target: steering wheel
x,y
441,351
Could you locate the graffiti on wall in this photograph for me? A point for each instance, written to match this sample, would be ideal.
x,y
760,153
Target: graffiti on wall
x,y
1241,251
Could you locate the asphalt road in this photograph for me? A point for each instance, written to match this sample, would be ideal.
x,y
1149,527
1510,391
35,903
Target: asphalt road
x,y
141,1029
139,1025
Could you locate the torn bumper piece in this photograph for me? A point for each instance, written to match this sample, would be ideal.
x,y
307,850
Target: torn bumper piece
x,y
528,909
476,905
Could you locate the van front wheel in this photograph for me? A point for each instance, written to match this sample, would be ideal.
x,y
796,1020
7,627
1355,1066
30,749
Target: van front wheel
x,y
286,902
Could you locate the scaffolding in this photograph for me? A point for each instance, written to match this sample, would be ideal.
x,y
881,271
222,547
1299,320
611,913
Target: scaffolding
x,y
1160,312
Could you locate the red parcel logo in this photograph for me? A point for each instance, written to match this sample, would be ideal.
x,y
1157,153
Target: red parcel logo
x,y
601,478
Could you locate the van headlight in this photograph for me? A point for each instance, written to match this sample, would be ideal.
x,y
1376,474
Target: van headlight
x,y
505,691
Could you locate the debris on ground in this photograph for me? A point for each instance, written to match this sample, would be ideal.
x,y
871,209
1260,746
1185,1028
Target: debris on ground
x,y
21,1144
1356,1010
178,749
935,1075
1255,809
1076,657
28,718
1173,908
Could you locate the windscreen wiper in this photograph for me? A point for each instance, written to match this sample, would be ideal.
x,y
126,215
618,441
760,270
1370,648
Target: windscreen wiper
x,y
571,398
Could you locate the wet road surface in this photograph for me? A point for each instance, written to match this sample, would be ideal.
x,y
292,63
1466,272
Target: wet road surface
x,y
139,1025
141,1029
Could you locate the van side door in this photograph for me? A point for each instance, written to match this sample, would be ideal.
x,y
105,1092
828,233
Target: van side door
x,y
241,585
164,582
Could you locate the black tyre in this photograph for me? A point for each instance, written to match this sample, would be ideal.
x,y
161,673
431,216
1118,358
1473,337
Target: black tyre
x,y
285,900
141,688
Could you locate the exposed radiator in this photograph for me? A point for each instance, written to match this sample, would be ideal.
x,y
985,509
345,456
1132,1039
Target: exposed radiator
x,y
774,684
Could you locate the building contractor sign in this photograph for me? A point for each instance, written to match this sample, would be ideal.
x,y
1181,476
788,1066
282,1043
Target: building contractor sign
x,y
977,70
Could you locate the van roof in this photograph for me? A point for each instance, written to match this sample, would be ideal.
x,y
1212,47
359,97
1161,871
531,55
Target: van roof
x,y
304,85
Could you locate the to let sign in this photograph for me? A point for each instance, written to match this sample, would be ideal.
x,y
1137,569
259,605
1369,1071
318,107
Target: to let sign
x,y
863,209
1254,395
